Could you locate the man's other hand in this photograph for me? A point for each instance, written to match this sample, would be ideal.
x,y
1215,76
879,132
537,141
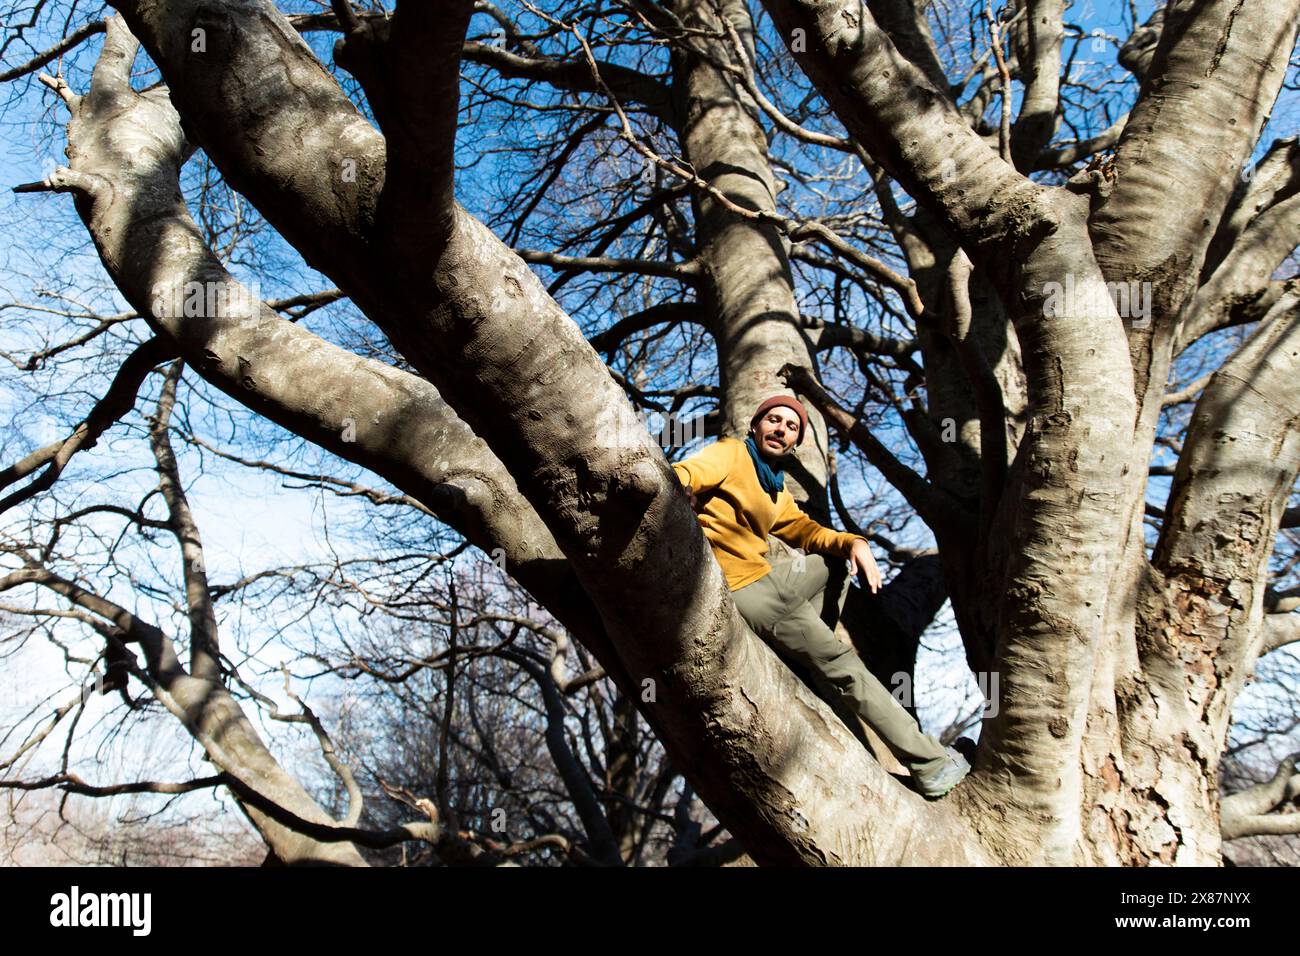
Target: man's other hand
x,y
860,559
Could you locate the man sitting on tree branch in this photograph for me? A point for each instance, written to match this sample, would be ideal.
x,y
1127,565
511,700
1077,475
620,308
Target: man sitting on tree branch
x,y
743,498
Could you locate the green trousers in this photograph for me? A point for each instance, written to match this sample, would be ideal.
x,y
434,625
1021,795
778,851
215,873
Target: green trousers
x,y
794,608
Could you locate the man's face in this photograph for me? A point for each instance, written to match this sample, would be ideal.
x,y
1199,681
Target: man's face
x,y
776,432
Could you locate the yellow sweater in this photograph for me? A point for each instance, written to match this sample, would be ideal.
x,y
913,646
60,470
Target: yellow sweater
x,y
737,514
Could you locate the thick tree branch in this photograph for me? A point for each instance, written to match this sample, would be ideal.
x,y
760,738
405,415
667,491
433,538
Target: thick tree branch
x,y
409,66
1279,631
71,783
662,314
628,85
1250,812
1257,234
274,120
1137,52
988,392
1175,135
1274,179
827,335
1242,303
688,272
1058,157
908,27
1038,50
909,126
1234,477
205,650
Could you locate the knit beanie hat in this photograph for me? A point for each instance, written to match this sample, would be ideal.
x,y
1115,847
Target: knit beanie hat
x,y
787,401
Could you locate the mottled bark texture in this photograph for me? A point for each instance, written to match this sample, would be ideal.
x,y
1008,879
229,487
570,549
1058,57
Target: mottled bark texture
x,y
1116,672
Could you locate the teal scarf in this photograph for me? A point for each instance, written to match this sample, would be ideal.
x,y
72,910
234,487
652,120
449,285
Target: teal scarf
x,y
772,479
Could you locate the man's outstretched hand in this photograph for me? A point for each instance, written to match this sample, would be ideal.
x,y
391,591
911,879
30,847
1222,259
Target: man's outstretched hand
x,y
860,559
690,496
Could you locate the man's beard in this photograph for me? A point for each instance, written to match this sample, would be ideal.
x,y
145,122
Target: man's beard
x,y
770,452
